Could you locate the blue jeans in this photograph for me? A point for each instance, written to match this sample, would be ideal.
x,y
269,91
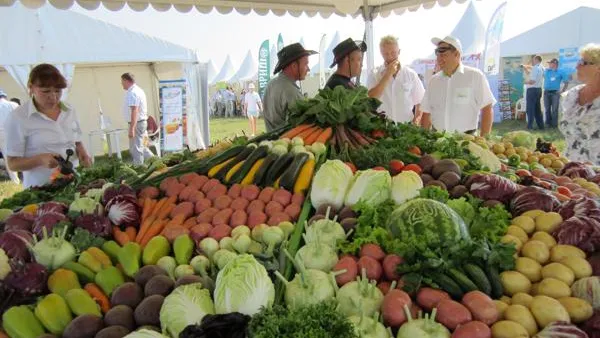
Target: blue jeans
x,y
551,102
534,108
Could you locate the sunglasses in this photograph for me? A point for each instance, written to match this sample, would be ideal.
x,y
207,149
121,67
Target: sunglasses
x,y
442,50
582,62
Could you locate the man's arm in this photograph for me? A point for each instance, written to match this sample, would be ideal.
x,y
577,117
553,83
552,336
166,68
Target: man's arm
x,y
82,154
426,120
46,160
487,118
418,115
378,89
133,124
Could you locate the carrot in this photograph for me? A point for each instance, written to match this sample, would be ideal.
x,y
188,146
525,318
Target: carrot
x,y
324,136
131,232
303,135
146,208
296,130
190,222
165,211
158,205
97,295
154,230
177,220
120,236
144,227
310,139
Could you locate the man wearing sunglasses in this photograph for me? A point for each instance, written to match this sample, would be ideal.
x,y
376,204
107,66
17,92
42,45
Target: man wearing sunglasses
x,y
457,94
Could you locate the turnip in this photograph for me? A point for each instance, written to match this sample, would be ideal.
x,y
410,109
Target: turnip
x,y
326,230
367,327
360,297
317,255
271,236
422,327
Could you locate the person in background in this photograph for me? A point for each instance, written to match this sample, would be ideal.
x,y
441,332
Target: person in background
x,y
399,88
553,80
533,95
242,100
230,102
252,107
43,129
16,100
580,122
6,107
348,56
135,112
457,95
282,90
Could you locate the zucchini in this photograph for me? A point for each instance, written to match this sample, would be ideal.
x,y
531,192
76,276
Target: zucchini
x,y
494,278
278,168
479,278
289,177
220,175
449,285
261,174
233,171
462,280
257,154
305,177
215,169
220,158
252,172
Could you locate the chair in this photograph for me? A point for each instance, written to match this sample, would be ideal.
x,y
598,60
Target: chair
x,y
153,134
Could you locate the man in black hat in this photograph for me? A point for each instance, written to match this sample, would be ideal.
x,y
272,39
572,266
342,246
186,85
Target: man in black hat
x,y
283,89
348,56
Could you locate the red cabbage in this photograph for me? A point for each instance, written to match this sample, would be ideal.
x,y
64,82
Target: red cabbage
x,y
581,206
492,187
19,221
117,190
123,210
577,169
14,243
561,330
52,207
594,261
592,325
27,278
95,223
47,220
582,232
533,198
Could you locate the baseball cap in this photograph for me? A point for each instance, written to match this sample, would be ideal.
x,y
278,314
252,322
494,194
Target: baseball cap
x,y
553,61
251,86
454,42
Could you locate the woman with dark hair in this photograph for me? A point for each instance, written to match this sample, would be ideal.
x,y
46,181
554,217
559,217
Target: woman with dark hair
x,y
43,128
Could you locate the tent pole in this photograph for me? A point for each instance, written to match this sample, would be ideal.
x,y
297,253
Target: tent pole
x,y
367,13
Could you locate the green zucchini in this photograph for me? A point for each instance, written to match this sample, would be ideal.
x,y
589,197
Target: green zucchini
x,y
290,175
261,174
449,285
220,158
494,278
239,157
257,154
462,280
479,278
278,168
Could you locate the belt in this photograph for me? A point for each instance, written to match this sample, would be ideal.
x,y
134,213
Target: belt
x,y
139,121
550,90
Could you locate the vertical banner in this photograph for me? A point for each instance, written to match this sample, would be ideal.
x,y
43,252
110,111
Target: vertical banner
x,y
172,96
491,54
264,67
280,44
322,65
567,60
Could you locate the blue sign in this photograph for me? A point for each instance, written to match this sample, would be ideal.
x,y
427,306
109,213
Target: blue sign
x,y
567,60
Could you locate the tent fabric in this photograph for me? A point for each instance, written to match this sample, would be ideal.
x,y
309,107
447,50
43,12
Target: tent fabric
x,y
573,29
328,53
211,71
248,70
227,71
197,123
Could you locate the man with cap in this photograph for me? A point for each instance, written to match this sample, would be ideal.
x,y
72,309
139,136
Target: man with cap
x,y
347,55
283,90
553,79
6,107
457,95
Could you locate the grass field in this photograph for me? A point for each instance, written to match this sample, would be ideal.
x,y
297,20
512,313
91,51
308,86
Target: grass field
x,y
221,128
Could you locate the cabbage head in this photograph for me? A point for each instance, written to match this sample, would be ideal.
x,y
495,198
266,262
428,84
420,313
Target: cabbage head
x,y
145,333
186,305
371,186
244,286
520,138
330,184
406,185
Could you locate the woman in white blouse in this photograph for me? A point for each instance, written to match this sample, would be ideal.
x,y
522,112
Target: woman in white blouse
x,y
580,123
42,129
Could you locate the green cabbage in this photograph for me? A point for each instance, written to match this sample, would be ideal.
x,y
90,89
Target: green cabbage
x,y
330,184
86,205
371,186
486,157
186,305
145,333
520,138
243,286
406,185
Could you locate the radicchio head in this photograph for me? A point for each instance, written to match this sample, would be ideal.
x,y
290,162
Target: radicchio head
x,y
562,330
27,278
19,221
95,223
492,187
580,206
123,210
48,220
116,190
580,231
14,243
577,169
533,198
58,207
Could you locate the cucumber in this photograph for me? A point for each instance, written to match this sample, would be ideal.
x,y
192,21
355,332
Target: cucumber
x,y
257,154
478,277
238,158
289,177
220,158
462,280
278,168
449,285
261,174
494,278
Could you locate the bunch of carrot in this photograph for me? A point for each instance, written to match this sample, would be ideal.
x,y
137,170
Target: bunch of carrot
x,y
310,133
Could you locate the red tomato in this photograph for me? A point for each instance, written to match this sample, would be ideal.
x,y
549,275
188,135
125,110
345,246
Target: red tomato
x,y
565,191
413,167
379,168
415,150
351,166
396,166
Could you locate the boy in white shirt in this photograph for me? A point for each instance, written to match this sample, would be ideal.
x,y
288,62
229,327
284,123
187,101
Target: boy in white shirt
x,y
252,107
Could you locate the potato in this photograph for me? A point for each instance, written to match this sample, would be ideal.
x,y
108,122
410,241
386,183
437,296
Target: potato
x,y
517,232
524,222
507,239
514,282
533,214
554,288
530,268
481,306
545,238
536,250
558,271
579,310
501,307
506,300
534,289
521,314
547,310
561,251
522,298
581,267
548,221
508,329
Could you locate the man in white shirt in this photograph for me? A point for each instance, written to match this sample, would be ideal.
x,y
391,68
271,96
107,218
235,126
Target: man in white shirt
x,y
252,107
458,94
6,107
399,88
135,112
533,95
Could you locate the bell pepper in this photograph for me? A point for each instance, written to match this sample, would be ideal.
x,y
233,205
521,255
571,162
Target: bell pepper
x,y
157,248
54,313
109,279
20,322
89,261
81,303
514,160
63,280
183,247
101,256
84,274
129,258
112,248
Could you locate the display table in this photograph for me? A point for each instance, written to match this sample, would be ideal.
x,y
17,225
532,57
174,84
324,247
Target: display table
x,y
112,138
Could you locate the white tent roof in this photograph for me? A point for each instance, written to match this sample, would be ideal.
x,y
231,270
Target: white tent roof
x,y
328,53
226,72
211,71
273,57
302,42
470,31
31,36
573,29
248,70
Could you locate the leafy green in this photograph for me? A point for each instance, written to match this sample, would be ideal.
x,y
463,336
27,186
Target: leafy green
x,y
490,223
371,227
83,239
434,193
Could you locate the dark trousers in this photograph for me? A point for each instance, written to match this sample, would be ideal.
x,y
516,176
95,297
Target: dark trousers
x,y
551,102
534,108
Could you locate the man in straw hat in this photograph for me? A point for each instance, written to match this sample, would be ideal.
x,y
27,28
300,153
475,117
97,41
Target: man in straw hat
x,y
347,55
283,90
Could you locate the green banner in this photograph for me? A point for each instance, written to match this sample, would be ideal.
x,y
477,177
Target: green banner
x,y
280,44
264,67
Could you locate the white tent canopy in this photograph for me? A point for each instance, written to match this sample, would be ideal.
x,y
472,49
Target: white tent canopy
x,y
471,31
227,71
248,70
328,53
211,71
573,29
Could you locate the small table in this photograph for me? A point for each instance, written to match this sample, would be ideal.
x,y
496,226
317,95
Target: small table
x,y
109,139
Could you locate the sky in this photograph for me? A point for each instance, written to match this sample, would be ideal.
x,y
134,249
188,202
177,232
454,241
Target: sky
x,y
216,36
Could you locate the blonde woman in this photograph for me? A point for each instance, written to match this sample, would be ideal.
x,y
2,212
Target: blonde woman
x,y
580,123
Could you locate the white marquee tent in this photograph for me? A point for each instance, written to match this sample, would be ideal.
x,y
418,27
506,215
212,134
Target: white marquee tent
x,y
248,70
471,31
211,71
227,71
335,40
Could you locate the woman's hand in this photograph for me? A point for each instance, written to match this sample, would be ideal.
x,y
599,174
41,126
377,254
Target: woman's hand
x,y
84,158
47,160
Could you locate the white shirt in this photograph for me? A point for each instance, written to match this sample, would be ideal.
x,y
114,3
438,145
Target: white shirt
x,y
6,107
455,102
135,97
30,133
252,100
401,94
537,75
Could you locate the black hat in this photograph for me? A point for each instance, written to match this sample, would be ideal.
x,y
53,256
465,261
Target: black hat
x,y
289,54
346,47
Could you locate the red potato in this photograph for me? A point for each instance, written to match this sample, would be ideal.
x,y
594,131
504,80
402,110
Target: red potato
x,y
347,263
373,251
350,256
185,208
174,189
209,185
202,205
239,217
548,176
198,182
481,306
195,197
572,186
167,182
392,307
250,192
255,218
429,298
220,231
239,204
451,314
188,178
266,195
186,192
277,218
293,210
414,310
256,205
474,329
298,198
218,190
390,265
149,192
562,180
222,217
223,202
174,231
282,196
235,191
200,231
372,266
384,287
207,215
272,208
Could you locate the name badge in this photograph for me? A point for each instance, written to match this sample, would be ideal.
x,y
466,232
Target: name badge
x,y
552,79
462,95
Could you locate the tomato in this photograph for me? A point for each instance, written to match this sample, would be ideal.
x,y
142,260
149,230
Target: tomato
x,y
396,166
351,166
377,133
379,168
415,150
413,167
564,191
